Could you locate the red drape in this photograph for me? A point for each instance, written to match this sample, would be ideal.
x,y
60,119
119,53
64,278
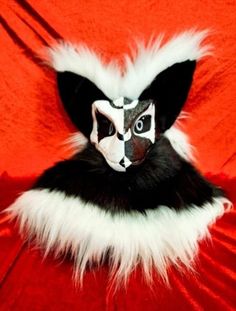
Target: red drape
x,y
33,126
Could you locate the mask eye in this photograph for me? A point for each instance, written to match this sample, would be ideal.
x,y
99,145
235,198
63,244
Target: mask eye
x,y
143,124
105,126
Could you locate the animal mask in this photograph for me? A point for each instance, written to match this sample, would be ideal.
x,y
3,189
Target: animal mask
x,y
123,131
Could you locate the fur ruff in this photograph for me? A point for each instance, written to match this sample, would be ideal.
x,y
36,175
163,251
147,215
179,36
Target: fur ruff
x,y
153,240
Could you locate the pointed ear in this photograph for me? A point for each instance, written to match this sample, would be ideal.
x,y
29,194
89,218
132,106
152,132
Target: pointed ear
x,y
170,90
77,94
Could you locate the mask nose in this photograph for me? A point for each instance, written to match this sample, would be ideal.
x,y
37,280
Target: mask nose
x,y
124,137
120,136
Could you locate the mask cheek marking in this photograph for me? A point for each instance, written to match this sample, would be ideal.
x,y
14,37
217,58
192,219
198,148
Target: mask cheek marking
x,y
112,148
137,148
113,151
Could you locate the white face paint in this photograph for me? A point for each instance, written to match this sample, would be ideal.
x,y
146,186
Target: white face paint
x,y
123,131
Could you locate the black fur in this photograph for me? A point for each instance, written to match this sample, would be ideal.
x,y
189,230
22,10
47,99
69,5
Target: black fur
x,y
164,178
78,94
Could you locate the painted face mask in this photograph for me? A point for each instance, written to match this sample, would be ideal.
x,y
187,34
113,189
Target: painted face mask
x,y
123,131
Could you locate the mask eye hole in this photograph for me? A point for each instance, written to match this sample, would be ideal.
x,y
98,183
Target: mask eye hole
x,y
143,124
105,126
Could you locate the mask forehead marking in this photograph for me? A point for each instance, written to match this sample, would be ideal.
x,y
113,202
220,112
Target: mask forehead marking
x,y
119,103
130,105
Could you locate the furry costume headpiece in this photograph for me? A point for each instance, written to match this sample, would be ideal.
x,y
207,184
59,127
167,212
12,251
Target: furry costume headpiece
x,y
131,194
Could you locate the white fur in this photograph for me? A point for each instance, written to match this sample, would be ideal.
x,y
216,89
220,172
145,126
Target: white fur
x,y
76,141
180,143
140,69
85,62
162,237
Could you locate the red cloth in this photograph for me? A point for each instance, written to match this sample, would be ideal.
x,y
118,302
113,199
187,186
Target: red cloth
x,y
33,126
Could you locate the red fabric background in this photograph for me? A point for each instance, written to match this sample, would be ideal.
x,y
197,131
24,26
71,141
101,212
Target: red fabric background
x,y
33,126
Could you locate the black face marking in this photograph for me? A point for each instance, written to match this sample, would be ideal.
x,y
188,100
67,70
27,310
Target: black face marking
x,y
142,125
120,136
105,126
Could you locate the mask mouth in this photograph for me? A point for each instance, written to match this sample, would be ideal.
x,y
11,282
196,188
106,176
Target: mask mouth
x,y
126,160
116,166
125,163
